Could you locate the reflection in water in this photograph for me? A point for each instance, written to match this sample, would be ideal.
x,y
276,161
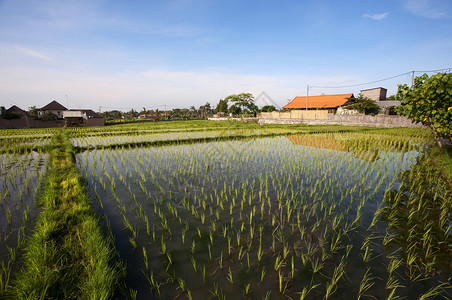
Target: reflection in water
x,y
252,219
419,219
324,142
317,141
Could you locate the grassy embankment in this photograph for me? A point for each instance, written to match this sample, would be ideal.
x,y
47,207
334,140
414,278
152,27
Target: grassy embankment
x,y
68,257
442,158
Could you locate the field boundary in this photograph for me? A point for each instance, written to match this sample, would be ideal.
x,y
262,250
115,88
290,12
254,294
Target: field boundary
x,y
386,121
67,257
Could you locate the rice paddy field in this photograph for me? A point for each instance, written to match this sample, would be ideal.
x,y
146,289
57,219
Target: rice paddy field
x,y
21,175
203,210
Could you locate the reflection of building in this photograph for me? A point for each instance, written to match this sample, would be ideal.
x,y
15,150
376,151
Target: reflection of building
x,y
331,143
54,108
316,141
319,102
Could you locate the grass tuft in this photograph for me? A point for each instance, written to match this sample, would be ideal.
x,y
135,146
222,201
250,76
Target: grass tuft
x,y
67,257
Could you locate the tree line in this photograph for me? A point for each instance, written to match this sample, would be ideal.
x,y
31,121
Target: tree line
x,y
237,104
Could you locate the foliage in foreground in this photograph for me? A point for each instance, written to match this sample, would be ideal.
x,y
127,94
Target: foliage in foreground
x,y
419,213
429,102
67,257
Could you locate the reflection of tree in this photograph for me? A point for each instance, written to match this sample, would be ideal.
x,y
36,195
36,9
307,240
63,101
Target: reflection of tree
x,y
419,217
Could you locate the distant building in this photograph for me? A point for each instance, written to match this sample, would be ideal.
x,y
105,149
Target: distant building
x,y
82,117
18,110
376,94
53,107
387,107
379,96
319,102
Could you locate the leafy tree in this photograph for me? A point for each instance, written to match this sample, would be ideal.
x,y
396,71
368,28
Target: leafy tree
x,y
112,115
117,114
33,111
222,106
12,115
363,104
176,113
193,112
392,97
145,111
429,102
268,108
235,109
242,103
205,110
49,116
180,113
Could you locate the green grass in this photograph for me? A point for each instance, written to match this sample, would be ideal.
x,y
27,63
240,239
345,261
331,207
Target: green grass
x,y
68,256
442,159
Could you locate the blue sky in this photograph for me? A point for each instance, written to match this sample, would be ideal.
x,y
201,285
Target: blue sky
x,y
124,54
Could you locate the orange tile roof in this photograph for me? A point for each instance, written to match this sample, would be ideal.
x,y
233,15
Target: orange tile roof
x,y
322,101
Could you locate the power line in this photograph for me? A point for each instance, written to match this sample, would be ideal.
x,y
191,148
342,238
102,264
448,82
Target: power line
x,y
353,85
435,71
376,81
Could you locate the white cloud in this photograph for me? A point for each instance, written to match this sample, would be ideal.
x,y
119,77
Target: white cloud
x,y
377,17
433,9
32,53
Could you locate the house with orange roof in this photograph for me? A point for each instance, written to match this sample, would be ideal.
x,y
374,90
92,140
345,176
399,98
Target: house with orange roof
x,y
319,102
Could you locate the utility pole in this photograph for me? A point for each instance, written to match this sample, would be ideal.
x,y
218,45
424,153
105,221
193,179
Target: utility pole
x,y
412,79
307,96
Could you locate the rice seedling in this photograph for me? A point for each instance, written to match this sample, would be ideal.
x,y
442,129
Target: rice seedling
x,y
366,283
338,273
311,206
306,290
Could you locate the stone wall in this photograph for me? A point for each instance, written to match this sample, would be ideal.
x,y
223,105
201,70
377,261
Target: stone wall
x,y
296,114
350,120
26,122
95,122
30,123
233,119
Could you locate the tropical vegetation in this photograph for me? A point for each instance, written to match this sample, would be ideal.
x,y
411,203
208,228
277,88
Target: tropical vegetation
x,y
429,102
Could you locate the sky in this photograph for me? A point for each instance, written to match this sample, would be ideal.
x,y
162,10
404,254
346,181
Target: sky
x,y
123,54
